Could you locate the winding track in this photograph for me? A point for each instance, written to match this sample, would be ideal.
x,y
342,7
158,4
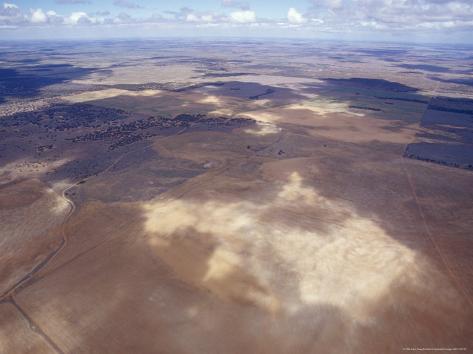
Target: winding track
x,y
9,295
28,276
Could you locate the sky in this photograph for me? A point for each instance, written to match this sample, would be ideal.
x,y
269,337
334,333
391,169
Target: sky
x,y
443,21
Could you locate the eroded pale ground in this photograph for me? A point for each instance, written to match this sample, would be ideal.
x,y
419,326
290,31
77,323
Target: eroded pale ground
x,y
107,93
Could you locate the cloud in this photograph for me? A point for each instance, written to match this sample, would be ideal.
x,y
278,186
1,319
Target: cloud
x,y
38,16
182,14
295,17
11,16
388,18
196,18
394,15
7,5
192,17
186,14
126,4
244,16
206,18
78,18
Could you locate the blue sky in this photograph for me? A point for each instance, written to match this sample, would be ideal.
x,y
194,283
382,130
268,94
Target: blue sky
x,y
266,8
399,20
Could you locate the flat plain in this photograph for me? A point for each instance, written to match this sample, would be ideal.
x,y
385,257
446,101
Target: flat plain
x,y
235,197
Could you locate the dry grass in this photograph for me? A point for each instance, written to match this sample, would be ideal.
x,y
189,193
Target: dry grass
x,y
30,215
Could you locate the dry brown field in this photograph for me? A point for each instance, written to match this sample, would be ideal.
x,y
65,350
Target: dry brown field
x,y
302,229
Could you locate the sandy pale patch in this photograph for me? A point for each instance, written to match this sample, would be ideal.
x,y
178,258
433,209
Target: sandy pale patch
x,y
108,93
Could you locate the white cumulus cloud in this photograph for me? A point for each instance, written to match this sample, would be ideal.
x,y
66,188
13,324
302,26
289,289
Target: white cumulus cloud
x,y
7,5
207,18
295,17
193,17
245,16
77,18
38,16
405,17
